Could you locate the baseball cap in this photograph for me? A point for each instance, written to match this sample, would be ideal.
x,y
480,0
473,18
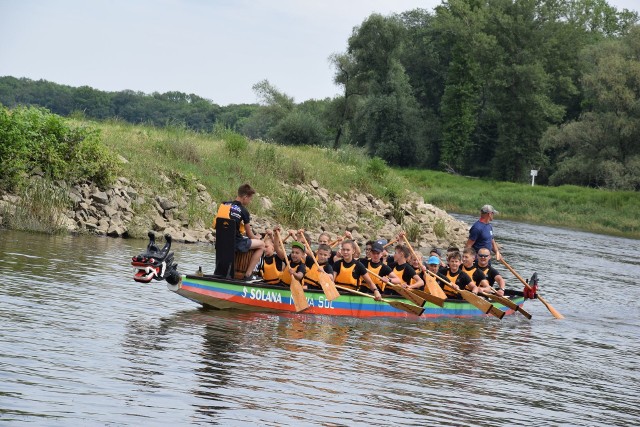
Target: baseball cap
x,y
377,247
488,209
382,242
433,260
297,245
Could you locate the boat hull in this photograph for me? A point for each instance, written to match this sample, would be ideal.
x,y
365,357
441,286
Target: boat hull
x,y
257,296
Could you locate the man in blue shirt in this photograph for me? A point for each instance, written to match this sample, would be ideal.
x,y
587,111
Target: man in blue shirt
x,y
481,233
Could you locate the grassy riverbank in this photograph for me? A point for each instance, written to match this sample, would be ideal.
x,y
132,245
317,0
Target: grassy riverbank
x,y
588,209
222,162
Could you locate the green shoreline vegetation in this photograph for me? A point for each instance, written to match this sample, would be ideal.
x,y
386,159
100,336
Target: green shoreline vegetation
x,y
77,149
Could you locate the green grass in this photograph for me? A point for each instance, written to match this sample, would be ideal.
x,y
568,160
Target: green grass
x,y
588,209
222,162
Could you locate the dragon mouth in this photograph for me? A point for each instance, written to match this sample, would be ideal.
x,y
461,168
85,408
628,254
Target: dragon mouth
x,y
155,263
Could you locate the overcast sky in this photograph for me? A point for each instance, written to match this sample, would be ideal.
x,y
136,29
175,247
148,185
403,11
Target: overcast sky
x,y
216,49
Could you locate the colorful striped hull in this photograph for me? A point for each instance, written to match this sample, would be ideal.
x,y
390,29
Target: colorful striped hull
x,y
257,296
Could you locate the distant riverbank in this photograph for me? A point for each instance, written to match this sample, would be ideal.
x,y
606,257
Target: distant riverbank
x,y
598,211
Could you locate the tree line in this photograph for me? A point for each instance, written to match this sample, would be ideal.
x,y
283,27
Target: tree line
x,y
489,88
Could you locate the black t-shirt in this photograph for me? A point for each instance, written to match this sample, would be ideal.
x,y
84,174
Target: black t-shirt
x,y
478,275
406,270
385,270
358,271
326,267
240,214
462,279
490,272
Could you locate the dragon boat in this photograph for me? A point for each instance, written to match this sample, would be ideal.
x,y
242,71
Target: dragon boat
x,y
226,290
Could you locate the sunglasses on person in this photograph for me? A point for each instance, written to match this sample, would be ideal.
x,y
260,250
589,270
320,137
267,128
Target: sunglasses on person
x,y
483,256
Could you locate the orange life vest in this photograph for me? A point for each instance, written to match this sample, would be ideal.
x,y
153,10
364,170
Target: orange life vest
x,y
345,276
270,272
224,212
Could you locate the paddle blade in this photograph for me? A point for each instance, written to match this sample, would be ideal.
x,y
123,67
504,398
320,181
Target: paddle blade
x,y
434,289
508,303
329,288
297,293
482,305
430,298
408,294
413,309
552,310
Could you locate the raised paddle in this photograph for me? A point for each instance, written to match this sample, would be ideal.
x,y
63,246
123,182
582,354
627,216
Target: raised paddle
x,y
432,287
413,309
297,292
506,302
402,291
414,295
390,243
481,304
326,282
552,310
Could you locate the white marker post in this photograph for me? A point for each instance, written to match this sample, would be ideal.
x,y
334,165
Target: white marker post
x,y
534,173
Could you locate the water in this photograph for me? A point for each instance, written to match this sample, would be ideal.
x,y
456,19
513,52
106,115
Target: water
x,y
82,344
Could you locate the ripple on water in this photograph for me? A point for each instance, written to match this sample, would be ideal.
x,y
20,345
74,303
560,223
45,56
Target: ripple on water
x,y
81,343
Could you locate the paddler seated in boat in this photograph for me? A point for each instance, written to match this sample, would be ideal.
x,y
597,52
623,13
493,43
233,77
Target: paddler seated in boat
x,y
452,273
375,265
433,265
245,238
479,281
408,278
311,277
296,268
348,271
493,275
436,252
272,265
325,239
418,266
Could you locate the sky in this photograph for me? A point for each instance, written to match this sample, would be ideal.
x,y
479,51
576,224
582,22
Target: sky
x,y
216,49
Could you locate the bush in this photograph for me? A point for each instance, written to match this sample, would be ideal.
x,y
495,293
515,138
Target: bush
x,y
33,138
298,128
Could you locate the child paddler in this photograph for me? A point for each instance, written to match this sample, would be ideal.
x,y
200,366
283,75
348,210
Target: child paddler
x,y
272,265
348,271
374,264
452,273
479,282
312,277
296,268
405,272
418,266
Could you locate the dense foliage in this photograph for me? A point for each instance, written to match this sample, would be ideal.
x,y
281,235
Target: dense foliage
x,y
489,88
34,141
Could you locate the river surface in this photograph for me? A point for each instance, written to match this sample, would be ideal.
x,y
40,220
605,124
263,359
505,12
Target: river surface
x,y
82,344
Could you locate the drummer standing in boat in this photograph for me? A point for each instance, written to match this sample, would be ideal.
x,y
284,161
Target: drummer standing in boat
x,y
245,239
481,232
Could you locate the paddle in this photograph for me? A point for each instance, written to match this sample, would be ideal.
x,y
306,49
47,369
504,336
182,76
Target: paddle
x,y
413,293
326,282
482,305
432,286
413,309
297,292
552,310
390,243
402,291
507,302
